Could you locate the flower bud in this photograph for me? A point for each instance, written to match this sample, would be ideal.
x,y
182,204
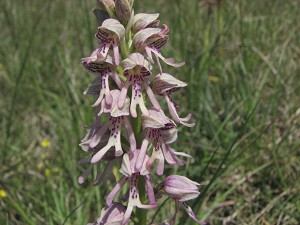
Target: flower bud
x,y
181,188
108,6
123,10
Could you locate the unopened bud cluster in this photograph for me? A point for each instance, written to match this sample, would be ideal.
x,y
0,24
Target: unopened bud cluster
x,y
130,128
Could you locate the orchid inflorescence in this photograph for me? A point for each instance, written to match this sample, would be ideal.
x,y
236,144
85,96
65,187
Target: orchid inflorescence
x,y
134,135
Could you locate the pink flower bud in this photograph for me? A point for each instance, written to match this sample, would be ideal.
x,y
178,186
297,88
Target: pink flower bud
x,y
123,10
181,188
108,6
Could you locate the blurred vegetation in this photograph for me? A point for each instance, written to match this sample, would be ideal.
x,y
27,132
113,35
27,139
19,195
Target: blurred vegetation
x,y
243,70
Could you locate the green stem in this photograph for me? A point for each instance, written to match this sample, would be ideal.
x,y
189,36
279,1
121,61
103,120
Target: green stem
x,y
124,49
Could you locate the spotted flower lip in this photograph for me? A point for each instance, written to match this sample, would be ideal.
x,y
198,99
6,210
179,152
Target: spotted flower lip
x,y
165,84
144,20
137,70
110,33
113,125
112,215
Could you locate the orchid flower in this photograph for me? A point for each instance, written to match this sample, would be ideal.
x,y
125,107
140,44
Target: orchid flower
x,y
137,70
110,33
100,86
152,40
165,85
109,156
131,175
160,131
117,117
182,189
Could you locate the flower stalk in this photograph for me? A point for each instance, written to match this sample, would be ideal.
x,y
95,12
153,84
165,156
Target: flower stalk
x,y
137,132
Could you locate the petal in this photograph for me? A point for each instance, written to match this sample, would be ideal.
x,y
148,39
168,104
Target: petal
x,y
112,215
115,111
156,119
169,61
95,88
130,134
103,50
116,54
98,156
165,82
183,154
150,191
123,94
191,213
116,78
140,37
114,26
82,178
137,99
181,181
127,215
107,173
142,20
115,191
126,166
157,155
174,113
149,54
152,96
98,136
142,154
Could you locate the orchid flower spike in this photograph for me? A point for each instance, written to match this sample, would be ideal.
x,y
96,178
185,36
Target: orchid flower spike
x,y
165,85
137,70
152,40
136,46
110,33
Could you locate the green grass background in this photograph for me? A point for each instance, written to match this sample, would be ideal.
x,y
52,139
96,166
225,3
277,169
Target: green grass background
x,y
243,70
